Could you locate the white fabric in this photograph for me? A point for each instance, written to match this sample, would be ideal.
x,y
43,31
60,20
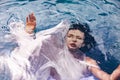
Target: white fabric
x,y
85,78
33,58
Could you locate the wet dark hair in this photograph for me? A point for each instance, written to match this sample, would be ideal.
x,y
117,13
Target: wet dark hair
x,y
89,40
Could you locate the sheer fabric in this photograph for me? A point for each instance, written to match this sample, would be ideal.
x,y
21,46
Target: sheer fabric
x,y
35,55
57,54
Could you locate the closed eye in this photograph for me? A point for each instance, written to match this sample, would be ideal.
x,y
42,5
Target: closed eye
x,y
78,37
70,35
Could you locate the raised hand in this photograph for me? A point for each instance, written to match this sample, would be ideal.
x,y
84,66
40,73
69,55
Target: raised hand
x,y
30,23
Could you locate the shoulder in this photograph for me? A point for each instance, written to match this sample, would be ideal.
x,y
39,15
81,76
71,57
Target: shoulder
x,y
90,60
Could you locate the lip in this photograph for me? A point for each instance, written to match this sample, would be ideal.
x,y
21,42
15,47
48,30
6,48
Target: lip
x,y
73,45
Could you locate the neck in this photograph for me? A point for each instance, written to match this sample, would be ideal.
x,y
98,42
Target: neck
x,y
73,50
74,53
77,53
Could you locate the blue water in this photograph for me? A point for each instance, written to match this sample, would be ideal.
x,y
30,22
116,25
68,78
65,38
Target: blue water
x,y
103,17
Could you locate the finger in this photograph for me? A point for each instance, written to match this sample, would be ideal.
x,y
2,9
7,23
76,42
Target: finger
x,y
32,17
32,13
27,19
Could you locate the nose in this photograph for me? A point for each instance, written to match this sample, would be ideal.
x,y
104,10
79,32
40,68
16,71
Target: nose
x,y
74,39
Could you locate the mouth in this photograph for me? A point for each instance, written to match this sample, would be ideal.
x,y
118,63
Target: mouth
x,y
73,45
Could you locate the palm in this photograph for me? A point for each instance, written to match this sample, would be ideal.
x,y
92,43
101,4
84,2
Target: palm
x,y
30,22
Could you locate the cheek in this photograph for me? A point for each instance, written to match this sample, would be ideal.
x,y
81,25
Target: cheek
x,y
67,40
80,43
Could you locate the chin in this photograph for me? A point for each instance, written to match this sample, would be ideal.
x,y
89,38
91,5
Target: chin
x,y
71,49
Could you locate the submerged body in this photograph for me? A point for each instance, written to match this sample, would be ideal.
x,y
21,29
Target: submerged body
x,y
34,58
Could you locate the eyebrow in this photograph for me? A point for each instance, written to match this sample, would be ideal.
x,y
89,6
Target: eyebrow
x,y
73,35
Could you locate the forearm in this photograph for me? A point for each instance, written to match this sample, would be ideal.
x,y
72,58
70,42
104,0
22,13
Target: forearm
x,y
101,75
116,74
17,29
96,71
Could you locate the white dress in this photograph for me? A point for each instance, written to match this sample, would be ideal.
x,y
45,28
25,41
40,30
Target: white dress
x,y
35,55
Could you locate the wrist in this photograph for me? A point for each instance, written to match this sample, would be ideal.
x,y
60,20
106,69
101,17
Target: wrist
x,y
28,30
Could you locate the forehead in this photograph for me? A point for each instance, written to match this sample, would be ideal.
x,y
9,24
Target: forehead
x,y
75,32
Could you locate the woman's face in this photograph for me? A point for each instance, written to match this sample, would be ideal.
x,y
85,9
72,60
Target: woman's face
x,y
75,39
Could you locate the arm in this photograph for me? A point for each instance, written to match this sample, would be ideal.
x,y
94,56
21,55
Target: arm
x,y
60,29
96,71
20,31
116,74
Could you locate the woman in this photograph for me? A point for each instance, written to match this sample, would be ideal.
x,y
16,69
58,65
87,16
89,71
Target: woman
x,y
84,46
69,63
49,54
